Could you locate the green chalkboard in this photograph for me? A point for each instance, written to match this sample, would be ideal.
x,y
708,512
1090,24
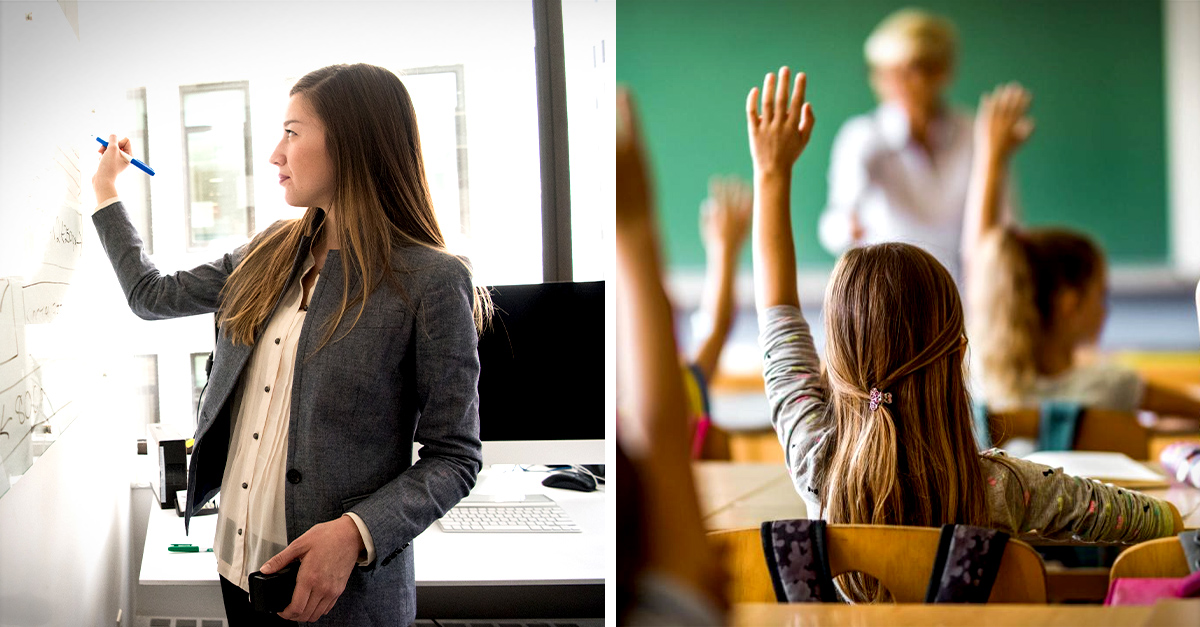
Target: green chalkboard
x,y
1097,161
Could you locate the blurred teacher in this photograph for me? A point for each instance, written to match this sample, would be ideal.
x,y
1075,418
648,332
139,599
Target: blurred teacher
x,y
901,172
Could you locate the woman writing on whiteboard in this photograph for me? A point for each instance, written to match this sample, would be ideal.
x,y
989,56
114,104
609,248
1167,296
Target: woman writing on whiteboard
x,y
344,335
902,171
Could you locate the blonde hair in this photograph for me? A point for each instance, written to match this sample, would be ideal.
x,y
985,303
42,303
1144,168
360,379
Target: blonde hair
x,y
1015,281
912,35
894,322
382,200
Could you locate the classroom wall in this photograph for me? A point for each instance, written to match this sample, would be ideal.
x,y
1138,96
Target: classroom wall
x,y
1097,161
65,528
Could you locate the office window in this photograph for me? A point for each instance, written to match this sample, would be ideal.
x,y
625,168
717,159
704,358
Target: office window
x,y
135,190
439,98
134,379
589,30
216,141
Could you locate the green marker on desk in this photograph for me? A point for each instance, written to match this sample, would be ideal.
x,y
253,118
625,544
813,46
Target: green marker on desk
x,y
186,548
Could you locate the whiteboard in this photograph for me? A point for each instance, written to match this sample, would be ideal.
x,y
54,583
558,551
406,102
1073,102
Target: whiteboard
x,y
42,238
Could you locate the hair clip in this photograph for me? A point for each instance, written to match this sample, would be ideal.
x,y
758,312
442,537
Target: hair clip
x,y
878,397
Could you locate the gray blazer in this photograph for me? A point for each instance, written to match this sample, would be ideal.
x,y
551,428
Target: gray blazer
x,y
407,371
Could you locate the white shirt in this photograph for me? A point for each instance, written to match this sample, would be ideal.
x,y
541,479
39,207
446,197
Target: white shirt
x,y
251,523
1101,385
900,192
251,527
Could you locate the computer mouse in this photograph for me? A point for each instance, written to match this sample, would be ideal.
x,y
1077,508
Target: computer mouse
x,y
570,480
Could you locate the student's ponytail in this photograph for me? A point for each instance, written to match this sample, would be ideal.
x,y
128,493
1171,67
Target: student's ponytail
x,y
904,451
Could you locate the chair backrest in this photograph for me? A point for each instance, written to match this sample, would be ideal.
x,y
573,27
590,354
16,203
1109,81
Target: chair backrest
x,y
1156,558
900,557
747,578
1099,430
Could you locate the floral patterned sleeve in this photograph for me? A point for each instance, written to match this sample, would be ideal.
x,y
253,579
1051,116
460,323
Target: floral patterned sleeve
x,y
1031,499
791,371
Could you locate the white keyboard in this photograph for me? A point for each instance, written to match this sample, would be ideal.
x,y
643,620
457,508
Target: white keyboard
x,y
535,513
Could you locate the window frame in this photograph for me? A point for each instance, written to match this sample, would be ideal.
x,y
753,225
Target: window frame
x,y
460,135
244,86
553,148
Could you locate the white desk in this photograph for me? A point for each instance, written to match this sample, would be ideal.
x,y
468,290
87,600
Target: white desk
x,y
553,572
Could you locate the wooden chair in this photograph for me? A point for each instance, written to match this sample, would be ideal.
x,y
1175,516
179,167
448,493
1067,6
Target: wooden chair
x,y
1099,430
716,445
1155,558
900,557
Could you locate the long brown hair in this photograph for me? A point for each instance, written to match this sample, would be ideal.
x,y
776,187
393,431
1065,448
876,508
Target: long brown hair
x,y
381,197
1015,282
894,322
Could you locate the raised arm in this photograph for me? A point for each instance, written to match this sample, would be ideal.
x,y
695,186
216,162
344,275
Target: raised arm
x,y
652,421
724,224
152,295
1000,128
778,132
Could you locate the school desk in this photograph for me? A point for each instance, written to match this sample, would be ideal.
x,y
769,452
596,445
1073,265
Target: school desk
x,y
919,615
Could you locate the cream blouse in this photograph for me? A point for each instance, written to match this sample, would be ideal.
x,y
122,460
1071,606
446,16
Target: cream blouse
x,y
251,527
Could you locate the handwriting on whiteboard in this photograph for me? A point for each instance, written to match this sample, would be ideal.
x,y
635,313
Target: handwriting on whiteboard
x,y
57,229
53,240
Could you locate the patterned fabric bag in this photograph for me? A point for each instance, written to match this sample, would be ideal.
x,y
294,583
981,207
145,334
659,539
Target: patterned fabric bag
x,y
797,561
967,561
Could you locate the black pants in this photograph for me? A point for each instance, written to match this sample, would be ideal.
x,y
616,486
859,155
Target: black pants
x,y
239,613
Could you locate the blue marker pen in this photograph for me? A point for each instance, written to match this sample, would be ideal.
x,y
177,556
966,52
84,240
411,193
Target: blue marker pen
x,y
143,167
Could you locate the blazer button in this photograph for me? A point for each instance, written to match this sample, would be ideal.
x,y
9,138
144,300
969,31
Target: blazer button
x,y
293,476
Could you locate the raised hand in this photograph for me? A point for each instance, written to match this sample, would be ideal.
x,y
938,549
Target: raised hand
x,y
1001,125
778,134
104,181
781,129
633,182
725,215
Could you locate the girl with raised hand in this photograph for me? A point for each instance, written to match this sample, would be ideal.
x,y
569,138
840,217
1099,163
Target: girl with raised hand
x,y
724,226
883,434
1037,295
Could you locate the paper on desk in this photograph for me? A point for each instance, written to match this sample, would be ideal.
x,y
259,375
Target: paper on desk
x,y
1110,467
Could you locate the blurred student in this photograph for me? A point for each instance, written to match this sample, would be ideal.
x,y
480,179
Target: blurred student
x,y
1037,295
901,172
724,225
883,434
667,574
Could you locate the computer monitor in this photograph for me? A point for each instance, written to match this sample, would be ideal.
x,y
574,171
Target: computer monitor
x,y
541,375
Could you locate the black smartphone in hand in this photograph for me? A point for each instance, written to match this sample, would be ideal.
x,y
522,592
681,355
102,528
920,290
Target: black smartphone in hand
x,y
273,592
